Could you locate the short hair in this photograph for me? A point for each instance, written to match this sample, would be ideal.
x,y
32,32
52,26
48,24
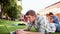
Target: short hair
x,y
30,12
47,14
51,13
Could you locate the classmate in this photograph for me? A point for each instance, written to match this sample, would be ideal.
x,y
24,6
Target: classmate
x,y
51,26
56,21
55,18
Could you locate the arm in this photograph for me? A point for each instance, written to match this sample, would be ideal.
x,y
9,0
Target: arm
x,y
33,32
26,32
51,20
27,29
29,25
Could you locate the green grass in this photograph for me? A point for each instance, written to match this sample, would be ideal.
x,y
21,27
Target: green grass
x,y
7,26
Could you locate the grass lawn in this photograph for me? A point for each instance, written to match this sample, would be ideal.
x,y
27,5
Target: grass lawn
x,y
7,26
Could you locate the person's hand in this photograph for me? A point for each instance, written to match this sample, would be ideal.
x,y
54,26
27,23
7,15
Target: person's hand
x,y
26,32
18,31
21,32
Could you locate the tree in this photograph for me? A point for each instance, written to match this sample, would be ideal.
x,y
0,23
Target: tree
x,y
10,8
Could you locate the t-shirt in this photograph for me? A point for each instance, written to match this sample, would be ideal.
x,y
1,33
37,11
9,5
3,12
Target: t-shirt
x,y
51,27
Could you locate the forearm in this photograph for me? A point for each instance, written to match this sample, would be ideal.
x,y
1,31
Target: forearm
x,y
26,32
27,29
32,32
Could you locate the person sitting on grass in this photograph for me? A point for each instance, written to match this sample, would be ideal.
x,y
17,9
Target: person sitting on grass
x,y
55,18
51,28
56,21
38,21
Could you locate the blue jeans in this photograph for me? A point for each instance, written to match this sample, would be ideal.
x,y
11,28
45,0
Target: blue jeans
x,y
57,27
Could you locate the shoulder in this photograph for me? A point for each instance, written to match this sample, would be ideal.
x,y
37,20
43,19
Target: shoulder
x,y
55,16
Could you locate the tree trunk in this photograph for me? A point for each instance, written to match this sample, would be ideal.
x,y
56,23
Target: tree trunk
x,y
1,12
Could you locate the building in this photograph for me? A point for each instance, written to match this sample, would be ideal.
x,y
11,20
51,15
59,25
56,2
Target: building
x,y
54,8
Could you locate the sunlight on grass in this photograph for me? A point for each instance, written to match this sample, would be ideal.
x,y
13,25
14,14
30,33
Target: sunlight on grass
x,y
1,25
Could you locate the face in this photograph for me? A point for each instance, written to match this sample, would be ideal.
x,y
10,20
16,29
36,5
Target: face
x,y
51,19
51,15
31,18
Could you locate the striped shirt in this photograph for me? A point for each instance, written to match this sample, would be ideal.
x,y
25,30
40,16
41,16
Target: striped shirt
x,y
40,23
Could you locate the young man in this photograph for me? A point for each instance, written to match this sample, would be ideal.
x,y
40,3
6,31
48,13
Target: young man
x,y
55,18
39,22
56,21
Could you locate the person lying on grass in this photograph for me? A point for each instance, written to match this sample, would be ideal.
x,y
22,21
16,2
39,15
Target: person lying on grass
x,y
39,22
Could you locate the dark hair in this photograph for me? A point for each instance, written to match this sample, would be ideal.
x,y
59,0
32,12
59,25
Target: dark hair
x,y
30,12
47,14
51,13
